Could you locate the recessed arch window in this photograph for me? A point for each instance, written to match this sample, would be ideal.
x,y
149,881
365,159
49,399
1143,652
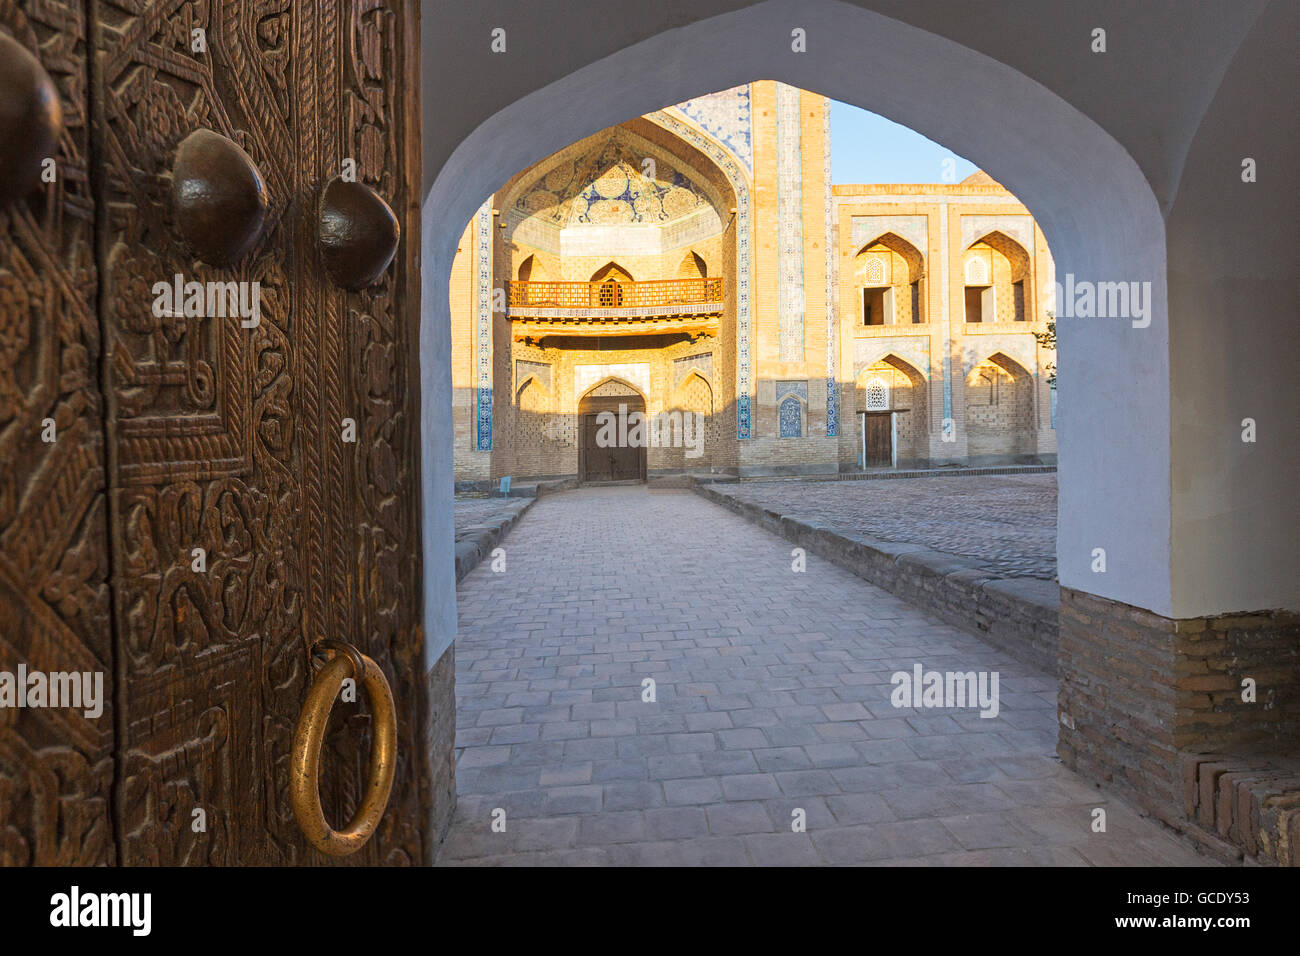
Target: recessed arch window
x,y
791,417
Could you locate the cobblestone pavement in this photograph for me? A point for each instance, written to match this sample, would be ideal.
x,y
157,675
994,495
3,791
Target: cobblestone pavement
x,y
1007,521
772,695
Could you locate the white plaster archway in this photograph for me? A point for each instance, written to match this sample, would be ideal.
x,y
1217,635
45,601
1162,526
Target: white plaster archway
x,y
1086,192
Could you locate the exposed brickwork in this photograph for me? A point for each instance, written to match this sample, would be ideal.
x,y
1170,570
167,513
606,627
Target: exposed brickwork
x,y
999,412
1140,692
1251,802
441,748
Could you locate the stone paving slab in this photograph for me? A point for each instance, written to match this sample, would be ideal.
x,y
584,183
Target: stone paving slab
x,y
1020,615
772,701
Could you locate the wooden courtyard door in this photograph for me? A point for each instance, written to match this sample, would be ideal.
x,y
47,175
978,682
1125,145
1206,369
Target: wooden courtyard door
x,y
877,439
602,460
189,503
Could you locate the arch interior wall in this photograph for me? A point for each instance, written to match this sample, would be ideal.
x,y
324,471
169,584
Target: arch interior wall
x,y
1127,189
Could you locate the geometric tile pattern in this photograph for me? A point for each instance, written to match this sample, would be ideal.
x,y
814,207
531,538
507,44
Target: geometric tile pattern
x,y
736,176
726,117
832,270
789,225
483,330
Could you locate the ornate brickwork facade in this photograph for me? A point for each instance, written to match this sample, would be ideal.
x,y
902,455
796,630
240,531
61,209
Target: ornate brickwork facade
x,y
846,327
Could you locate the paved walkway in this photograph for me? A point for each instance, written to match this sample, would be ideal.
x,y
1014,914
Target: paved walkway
x,y
772,696
1008,522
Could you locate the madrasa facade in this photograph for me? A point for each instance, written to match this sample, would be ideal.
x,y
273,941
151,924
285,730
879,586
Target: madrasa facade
x,y
687,292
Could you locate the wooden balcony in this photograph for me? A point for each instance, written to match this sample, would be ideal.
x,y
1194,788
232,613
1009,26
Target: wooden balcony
x,y
614,308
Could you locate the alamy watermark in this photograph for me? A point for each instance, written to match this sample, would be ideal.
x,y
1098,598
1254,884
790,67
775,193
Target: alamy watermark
x,y
952,689
211,300
1084,299
75,909
78,690
637,430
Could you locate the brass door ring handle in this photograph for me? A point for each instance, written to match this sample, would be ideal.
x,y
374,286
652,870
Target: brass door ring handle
x,y
304,792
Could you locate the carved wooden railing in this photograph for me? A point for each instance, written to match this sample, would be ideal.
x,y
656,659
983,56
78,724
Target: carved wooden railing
x,y
652,296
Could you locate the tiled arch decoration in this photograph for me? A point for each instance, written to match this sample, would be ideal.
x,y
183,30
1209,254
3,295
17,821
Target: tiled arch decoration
x,y
1018,228
1019,348
483,329
636,374
790,417
732,169
832,281
867,352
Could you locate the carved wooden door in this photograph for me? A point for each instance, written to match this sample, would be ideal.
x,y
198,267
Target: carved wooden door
x,y
56,764
218,498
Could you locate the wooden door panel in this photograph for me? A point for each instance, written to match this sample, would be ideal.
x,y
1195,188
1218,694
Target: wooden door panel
x,y
627,463
878,440
595,460
56,764
613,463
230,439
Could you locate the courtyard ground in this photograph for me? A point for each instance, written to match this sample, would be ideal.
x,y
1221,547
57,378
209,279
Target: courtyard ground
x,y
772,696
1007,522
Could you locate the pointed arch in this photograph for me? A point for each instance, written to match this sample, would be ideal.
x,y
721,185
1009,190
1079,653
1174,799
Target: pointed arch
x,y
1010,365
908,358
895,361
598,459
533,269
606,290
889,272
682,377
999,394
694,381
1016,357
894,385
1011,249
611,271
531,377
892,241
607,380
1078,183
532,396
693,266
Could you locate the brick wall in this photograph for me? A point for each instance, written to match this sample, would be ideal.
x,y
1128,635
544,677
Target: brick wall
x,y
1138,691
999,413
441,747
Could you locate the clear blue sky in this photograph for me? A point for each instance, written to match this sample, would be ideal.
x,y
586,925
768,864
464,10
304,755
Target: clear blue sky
x,y
866,148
